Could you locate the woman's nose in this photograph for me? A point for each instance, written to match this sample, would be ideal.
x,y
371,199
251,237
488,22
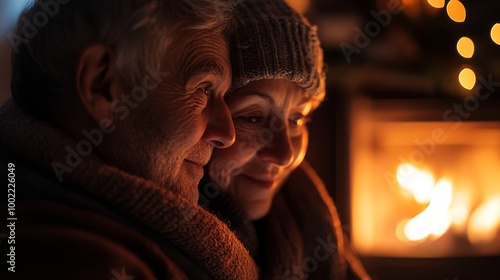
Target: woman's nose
x,y
279,149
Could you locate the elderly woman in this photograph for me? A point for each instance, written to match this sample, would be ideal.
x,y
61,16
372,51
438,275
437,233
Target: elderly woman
x,y
273,200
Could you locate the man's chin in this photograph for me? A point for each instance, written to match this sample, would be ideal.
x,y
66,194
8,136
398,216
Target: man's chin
x,y
192,195
184,180
186,189
188,180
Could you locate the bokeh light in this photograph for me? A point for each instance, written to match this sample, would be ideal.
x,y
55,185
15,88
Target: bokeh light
x,y
456,11
465,47
467,78
495,33
436,3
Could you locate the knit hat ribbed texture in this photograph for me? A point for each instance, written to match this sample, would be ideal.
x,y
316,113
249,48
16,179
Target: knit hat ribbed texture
x,y
270,40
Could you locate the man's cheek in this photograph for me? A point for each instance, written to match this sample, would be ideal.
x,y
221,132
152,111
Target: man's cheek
x,y
186,120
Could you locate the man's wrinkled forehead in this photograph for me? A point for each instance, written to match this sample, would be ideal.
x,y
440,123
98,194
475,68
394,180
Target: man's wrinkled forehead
x,y
204,54
209,67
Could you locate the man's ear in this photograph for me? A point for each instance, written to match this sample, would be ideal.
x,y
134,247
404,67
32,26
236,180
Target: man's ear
x,y
97,84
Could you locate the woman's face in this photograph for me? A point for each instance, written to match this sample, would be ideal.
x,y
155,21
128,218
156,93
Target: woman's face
x,y
271,140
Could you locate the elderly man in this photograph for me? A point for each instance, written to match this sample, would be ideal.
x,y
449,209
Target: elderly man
x,y
116,108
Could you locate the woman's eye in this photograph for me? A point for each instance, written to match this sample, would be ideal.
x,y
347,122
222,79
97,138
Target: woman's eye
x,y
298,120
298,125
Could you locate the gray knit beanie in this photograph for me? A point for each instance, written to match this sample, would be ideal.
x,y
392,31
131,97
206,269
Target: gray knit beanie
x,y
270,40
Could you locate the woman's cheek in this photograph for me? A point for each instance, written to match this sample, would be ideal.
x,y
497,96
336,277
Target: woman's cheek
x,y
245,147
220,171
299,146
227,163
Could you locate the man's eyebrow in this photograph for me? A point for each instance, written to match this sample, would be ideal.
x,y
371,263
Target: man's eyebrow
x,y
209,67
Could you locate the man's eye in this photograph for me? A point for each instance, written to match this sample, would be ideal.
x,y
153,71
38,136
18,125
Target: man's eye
x,y
206,89
253,119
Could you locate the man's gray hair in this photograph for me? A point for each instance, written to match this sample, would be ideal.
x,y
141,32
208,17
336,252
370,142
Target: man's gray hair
x,y
52,33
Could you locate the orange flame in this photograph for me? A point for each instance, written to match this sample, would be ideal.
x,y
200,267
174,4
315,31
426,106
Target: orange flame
x,y
484,221
435,219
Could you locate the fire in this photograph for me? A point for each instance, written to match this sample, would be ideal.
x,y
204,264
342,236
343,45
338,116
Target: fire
x,y
418,183
460,210
445,208
485,221
435,219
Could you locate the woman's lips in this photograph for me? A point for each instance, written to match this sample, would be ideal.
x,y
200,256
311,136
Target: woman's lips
x,y
263,183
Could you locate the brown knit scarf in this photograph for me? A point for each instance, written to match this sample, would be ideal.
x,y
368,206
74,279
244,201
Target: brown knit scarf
x,y
193,230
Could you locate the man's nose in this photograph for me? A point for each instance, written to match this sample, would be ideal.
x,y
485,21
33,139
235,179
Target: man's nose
x,y
220,127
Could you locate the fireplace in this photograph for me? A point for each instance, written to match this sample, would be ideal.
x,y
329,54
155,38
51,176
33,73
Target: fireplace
x,y
424,178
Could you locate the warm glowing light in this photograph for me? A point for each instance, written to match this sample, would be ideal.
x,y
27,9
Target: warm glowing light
x,y
400,230
456,10
403,174
417,182
300,6
435,219
436,3
423,192
441,197
460,213
439,207
409,2
467,78
416,229
495,33
485,221
465,47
